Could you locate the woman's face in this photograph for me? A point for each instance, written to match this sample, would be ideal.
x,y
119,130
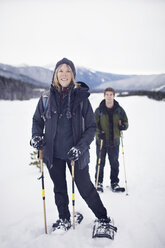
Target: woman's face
x,y
64,75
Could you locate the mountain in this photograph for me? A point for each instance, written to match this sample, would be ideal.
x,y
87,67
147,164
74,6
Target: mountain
x,y
96,78
136,83
40,77
152,86
30,74
22,83
43,76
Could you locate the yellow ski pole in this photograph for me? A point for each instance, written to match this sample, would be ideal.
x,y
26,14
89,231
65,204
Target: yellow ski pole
x,y
99,162
73,198
43,190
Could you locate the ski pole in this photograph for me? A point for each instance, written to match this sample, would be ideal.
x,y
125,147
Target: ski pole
x,y
126,188
99,162
43,190
73,198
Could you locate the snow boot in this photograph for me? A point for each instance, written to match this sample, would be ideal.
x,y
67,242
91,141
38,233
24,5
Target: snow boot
x,y
63,225
104,228
100,187
116,188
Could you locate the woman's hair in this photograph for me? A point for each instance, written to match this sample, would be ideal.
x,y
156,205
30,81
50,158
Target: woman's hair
x,y
109,89
55,78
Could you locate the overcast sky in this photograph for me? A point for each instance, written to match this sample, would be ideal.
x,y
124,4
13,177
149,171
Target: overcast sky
x,y
118,36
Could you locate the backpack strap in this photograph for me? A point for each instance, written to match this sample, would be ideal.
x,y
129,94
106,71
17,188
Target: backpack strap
x,y
119,113
100,115
45,97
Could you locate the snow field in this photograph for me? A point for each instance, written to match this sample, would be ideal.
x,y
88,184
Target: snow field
x,y
139,216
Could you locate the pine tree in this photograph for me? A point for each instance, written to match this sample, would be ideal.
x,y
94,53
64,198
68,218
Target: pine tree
x,y
35,160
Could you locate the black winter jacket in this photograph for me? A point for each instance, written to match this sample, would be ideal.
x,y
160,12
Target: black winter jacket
x,y
83,124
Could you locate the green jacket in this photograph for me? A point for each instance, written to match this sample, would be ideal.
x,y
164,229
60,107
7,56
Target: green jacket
x,y
102,121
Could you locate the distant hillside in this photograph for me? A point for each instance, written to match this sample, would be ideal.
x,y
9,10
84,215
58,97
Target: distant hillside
x,y
37,78
43,77
96,78
30,74
136,83
152,86
13,89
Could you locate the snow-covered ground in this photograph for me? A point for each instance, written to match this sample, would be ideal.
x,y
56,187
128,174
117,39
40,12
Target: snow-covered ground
x,y
140,216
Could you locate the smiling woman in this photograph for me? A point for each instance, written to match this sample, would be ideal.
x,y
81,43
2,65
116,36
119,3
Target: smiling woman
x,y
65,135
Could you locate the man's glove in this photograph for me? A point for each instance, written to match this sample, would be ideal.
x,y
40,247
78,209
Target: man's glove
x,y
122,127
74,154
101,136
37,142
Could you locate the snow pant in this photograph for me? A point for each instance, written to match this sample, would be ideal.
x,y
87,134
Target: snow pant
x,y
113,156
84,185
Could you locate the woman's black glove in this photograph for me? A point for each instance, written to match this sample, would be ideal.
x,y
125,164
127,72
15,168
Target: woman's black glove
x,y
74,154
37,142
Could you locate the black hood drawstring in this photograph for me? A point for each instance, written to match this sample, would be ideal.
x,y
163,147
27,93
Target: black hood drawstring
x,y
68,111
63,93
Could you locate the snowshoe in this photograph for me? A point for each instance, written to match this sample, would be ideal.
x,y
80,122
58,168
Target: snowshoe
x,y
61,225
100,187
104,228
78,218
116,188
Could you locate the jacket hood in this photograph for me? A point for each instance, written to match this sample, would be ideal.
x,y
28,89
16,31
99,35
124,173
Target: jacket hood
x,y
81,91
102,106
83,85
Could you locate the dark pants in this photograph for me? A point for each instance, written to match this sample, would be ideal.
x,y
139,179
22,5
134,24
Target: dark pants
x,y
113,155
84,185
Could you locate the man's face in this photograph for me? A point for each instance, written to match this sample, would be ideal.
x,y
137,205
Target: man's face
x,y
109,97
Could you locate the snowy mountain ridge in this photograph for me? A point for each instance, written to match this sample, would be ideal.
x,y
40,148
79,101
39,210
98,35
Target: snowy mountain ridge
x,y
96,80
138,82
